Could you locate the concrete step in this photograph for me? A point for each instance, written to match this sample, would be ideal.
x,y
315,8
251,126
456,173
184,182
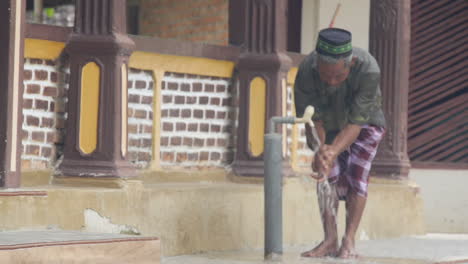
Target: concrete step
x,y
54,246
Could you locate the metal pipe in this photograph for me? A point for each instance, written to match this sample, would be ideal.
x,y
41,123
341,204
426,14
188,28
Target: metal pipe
x,y
273,157
273,196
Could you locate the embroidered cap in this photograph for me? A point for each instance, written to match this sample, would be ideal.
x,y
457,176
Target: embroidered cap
x,y
334,42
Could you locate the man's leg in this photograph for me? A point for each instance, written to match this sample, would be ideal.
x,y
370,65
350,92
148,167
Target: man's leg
x,y
328,203
355,205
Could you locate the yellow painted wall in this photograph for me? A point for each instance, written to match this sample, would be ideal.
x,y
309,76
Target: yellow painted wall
x,y
257,115
89,107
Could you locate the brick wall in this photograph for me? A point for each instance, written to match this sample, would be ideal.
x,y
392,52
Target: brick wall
x,y
191,20
198,120
140,116
43,114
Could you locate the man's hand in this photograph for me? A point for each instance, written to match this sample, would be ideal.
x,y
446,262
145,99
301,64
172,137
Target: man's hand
x,y
324,160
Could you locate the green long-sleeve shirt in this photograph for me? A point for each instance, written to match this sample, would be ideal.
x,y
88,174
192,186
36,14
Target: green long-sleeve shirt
x,y
358,100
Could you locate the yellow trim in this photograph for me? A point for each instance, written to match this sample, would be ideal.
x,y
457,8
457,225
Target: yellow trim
x,y
257,114
89,107
182,64
292,75
124,108
42,49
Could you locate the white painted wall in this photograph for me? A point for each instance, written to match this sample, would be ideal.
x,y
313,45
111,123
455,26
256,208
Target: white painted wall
x,y
354,16
445,197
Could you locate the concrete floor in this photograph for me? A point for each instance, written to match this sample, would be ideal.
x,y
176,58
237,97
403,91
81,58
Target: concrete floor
x,y
431,248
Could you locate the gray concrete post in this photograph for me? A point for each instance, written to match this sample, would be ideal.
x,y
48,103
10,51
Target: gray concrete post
x,y
273,195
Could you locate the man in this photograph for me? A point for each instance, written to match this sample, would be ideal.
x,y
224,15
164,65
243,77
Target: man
x,y
342,83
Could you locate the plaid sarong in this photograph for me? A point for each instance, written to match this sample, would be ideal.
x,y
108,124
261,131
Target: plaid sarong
x,y
351,168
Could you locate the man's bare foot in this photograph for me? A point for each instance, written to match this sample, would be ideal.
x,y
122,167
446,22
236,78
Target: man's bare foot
x,y
347,250
324,249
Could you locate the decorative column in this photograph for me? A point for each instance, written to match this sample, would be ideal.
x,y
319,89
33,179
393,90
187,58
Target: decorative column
x,y
96,129
11,90
260,28
390,45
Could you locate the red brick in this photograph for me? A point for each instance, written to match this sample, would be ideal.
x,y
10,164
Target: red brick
x,y
215,156
204,156
172,86
134,142
210,114
144,156
147,129
215,128
163,85
220,88
185,87
221,142
228,157
193,127
36,61
210,142
140,85
60,122
132,156
33,89
140,114
220,115
150,115
187,141
227,101
209,88
47,122
146,142
227,129
198,113
50,91
27,75
179,99
165,113
146,99
132,129
32,121
32,150
41,104
176,141
204,127
50,62
181,157
181,126
203,100
167,99
164,141
191,100
197,87
215,101
53,137
46,152
41,75
133,98
198,142
27,103
168,127
53,77
186,113
130,84
38,136
193,156
174,112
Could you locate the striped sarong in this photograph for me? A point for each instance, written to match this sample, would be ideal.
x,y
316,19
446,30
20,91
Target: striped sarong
x,y
351,168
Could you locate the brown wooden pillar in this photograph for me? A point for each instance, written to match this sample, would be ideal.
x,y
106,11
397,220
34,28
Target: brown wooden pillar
x,y
11,89
390,44
260,28
96,129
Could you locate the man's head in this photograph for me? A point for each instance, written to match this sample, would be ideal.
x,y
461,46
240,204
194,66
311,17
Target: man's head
x,y
334,50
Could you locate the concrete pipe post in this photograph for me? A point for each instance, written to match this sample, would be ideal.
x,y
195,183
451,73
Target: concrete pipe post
x,y
273,196
273,159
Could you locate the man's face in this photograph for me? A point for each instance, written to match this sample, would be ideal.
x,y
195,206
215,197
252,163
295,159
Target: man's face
x,y
333,74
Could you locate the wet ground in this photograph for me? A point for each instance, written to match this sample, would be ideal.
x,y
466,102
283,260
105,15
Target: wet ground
x,y
431,248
